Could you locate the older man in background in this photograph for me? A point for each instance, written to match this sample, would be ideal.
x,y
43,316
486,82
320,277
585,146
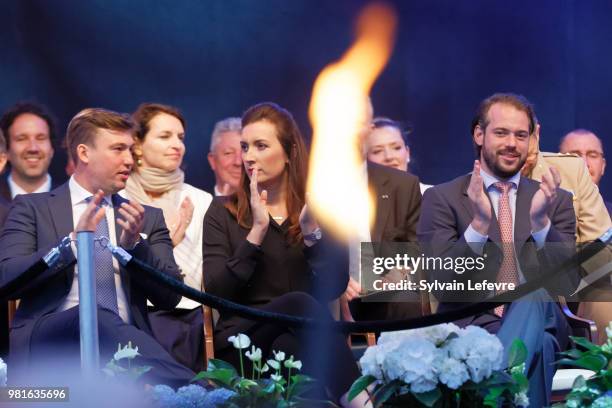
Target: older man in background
x,y
587,145
592,221
224,156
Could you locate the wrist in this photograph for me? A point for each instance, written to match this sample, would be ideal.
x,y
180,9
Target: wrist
x,y
538,224
256,235
481,226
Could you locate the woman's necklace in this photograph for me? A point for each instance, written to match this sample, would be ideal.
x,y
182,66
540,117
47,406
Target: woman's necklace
x,y
277,217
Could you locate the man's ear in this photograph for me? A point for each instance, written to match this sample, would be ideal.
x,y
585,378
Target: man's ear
x,y
83,152
211,161
478,135
4,158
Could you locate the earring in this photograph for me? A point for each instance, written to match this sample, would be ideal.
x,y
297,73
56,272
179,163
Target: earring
x,y
139,162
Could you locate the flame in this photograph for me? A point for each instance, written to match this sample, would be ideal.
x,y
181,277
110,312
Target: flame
x,y
340,113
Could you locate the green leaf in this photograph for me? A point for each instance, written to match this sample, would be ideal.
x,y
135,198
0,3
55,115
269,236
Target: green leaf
x,y
521,381
573,353
428,398
580,381
359,385
136,372
245,383
219,375
299,385
493,395
517,353
581,341
215,363
593,362
385,392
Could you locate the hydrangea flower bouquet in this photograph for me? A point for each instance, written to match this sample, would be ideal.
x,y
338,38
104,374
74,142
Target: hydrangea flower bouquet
x,y
443,366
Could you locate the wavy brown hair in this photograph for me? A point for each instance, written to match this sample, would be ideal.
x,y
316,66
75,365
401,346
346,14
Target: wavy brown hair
x,y
291,140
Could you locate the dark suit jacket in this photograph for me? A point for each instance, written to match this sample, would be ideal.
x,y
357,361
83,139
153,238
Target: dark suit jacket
x,y
4,209
5,190
447,214
37,223
398,204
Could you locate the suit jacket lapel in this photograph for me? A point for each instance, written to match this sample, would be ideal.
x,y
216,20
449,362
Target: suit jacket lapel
x,y
117,200
379,185
522,224
60,209
5,191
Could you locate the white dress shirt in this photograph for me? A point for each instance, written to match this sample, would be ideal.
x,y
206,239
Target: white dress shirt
x,y
16,189
78,195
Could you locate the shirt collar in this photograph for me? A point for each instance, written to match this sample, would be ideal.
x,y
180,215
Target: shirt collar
x,y
16,189
78,193
489,180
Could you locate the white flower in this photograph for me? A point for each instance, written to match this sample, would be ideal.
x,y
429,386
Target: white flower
x,y
521,400
3,373
439,333
276,377
274,364
126,352
293,364
480,351
240,341
436,334
415,362
278,356
609,330
453,373
371,362
254,354
263,369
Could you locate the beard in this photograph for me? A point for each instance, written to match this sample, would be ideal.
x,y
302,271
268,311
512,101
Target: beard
x,y
494,162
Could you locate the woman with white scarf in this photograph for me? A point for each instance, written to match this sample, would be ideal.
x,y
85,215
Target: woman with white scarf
x,y
158,181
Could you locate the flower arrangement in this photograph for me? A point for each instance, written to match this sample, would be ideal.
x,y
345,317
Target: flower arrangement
x,y
443,366
115,368
595,392
254,389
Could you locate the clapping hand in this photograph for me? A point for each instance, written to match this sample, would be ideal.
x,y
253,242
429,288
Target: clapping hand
x,y
481,206
542,200
259,211
131,221
177,233
92,215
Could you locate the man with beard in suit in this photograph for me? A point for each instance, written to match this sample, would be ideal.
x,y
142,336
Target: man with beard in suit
x,y
509,221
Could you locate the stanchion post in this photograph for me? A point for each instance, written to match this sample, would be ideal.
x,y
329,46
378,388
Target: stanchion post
x,y
88,312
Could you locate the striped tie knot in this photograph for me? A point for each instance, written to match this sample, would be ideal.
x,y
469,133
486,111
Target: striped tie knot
x,y
503,187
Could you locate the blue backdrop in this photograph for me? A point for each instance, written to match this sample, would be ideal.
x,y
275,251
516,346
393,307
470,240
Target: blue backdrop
x,y
213,59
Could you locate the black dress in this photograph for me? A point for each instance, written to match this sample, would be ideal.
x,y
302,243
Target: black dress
x,y
276,276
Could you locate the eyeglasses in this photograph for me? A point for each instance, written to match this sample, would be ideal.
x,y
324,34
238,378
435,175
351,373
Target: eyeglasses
x,y
591,154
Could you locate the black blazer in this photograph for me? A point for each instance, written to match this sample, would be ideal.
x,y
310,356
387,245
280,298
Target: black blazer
x,y
398,204
35,224
447,213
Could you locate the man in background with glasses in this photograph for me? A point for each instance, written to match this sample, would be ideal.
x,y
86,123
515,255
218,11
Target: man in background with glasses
x,y
587,145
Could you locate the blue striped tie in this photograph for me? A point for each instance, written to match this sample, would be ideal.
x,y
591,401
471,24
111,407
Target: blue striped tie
x,y
106,294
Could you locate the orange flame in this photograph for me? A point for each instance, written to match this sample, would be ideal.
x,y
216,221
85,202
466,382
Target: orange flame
x,y
340,113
